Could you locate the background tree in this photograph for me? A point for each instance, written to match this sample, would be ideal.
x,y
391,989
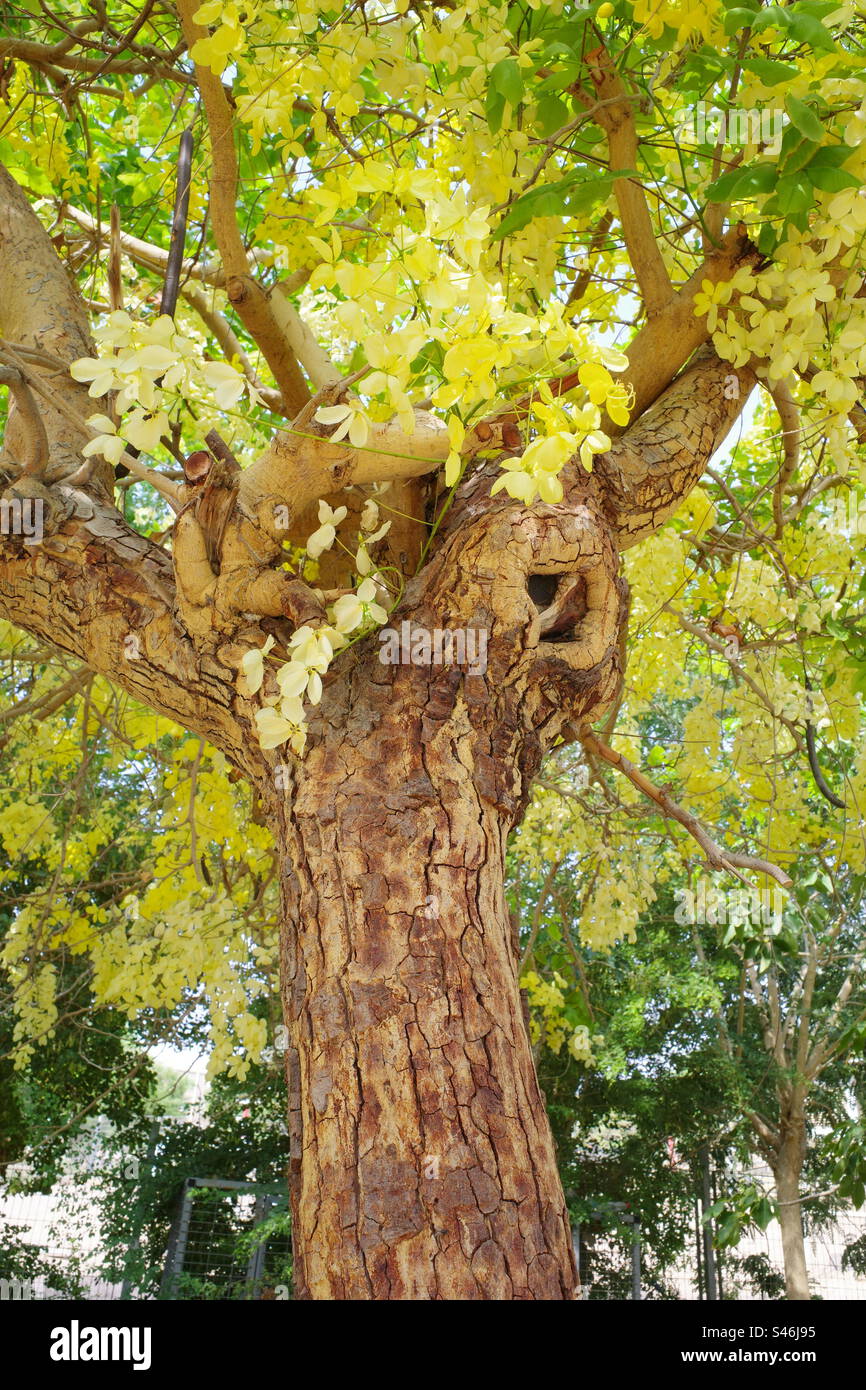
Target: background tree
x,y
431,225
723,1027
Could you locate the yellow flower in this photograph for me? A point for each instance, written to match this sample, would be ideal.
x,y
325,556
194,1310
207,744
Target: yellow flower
x,y
227,385
595,443
323,538
284,726
108,442
596,380
708,299
99,373
351,610
253,665
350,421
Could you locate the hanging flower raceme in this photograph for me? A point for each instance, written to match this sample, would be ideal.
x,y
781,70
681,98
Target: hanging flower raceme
x,y
312,649
154,369
571,428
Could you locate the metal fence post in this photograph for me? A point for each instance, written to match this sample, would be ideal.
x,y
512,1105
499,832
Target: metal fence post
x,y
635,1262
706,1203
256,1266
176,1253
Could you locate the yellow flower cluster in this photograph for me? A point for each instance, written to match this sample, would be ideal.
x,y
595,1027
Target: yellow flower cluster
x,y
283,719
548,1022
688,18
151,366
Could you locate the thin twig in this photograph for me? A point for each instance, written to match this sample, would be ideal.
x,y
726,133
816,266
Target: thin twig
x,y
171,284
717,857
789,418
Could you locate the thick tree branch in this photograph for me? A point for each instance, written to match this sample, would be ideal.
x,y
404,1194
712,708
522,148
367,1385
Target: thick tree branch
x,y
234,350
93,587
616,117
41,312
248,297
34,442
312,357
302,465
60,403
662,347
105,595
649,471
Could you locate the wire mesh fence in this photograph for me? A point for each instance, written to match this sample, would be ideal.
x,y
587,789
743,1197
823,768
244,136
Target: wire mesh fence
x,y
614,1266
44,1255
227,1242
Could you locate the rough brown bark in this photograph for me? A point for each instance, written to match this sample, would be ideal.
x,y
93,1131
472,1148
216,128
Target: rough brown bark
x,y
422,1156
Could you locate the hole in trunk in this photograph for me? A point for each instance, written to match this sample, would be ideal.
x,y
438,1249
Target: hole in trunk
x,y
562,620
542,589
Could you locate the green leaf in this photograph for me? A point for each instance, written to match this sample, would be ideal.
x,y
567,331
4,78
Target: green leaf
x,y
805,28
772,18
560,80
720,191
711,1212
762,1214
507,79
796,151
831,180
767,239
574,195
770,70
702,68
494,109
739,18
819,8
832,156
728,1230
556,49
759,178
551,113
656,755
804,118
738,184
538,202
794,193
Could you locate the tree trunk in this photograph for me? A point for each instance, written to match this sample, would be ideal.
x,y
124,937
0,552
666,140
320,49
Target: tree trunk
x,y
787,1173
428,1164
